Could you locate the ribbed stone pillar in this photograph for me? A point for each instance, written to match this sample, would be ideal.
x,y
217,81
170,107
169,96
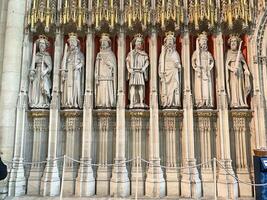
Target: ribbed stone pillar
x,y
120,184
85,183
50,179
11,75
155,183
39,152
227,186
190,182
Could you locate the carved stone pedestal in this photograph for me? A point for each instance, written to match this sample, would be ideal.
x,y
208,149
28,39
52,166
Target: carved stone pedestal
x,y
137,173
40,140
72,150
241,119
104,154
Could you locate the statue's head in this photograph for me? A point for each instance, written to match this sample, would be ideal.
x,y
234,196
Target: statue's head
x,y
73,41
234,41
105,41
203,41
169,40
42,43
138,41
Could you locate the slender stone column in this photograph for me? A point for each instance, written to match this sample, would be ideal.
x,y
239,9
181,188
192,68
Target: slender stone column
x,y
190,181
50,179
241,150
227,186
39,152
17,182
3,18
103,172
155,183
120,185
136,127
205,131
11,75
72,150
85,183
172,180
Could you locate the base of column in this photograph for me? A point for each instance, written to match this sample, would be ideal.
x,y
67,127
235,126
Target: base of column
x,y
34,181
207,182
172,182
50,183
85,182
141,183
103,181
69,181
119,184
227,187
155,183
17,181
244,189
190,182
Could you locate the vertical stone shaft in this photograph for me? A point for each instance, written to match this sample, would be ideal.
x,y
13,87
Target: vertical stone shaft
x,y
39,152
85,184
120,185
50,179
227,186
190,181
155,183
11,75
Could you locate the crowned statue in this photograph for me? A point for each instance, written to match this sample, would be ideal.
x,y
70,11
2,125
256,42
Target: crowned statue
x,y
72,68
170,73
203,63
105,75
237,74
137,62
40,71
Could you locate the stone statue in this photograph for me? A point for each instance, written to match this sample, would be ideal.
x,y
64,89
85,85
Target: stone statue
x,y
105,75
40,82
72,74
137,65
170,73
203,63
237,74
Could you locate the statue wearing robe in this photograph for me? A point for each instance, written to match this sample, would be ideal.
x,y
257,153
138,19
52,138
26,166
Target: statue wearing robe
x,y
237,75
203,63
72,75
40,82
105,75
137,64
170,74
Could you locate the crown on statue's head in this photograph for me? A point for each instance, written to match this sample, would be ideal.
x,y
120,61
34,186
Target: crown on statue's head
x,y
43,38
234,36
105,36
138,36
203,36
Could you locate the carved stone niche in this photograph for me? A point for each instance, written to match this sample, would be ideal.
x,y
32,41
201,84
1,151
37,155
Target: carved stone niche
x,y
241,149
204,121
40,120
104,144
172,131
72,132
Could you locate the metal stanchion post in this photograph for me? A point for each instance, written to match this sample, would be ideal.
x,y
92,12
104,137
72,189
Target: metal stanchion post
x,y
214,175
63,174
